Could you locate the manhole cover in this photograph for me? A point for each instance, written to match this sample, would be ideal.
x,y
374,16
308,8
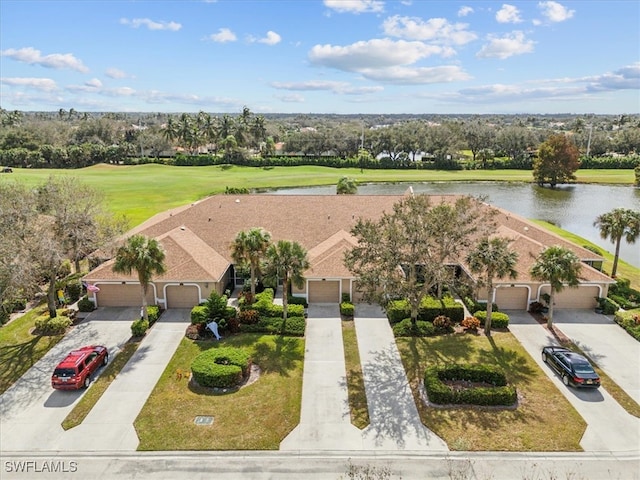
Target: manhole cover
x,y
203,420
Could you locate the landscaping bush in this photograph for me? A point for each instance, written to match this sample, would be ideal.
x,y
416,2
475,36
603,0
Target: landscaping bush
x,y
294,326
630,321
398,310
139,327
475,306
248,317
608,306
405,328
443,324
431,307
46,325
347,309
216,306
470,323
293,300
199,315
441,393
221,367
153,312
5,314
86,305
346,297
498,319
624,295
73,291
537,307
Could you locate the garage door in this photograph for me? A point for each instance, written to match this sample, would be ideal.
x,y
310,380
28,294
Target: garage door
x,y
118,295
182,296
512,298
325,291
581,297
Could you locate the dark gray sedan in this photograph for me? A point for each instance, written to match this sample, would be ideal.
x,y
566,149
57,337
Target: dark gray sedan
x,y
574,368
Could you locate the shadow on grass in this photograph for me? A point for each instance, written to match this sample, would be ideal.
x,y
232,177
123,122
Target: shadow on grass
x,y
18,358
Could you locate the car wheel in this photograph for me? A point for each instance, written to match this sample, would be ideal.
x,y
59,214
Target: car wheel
x,y
106,359
565,380
87,382
544,357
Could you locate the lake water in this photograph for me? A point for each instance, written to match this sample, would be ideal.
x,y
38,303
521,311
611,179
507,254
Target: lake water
x,y
570,207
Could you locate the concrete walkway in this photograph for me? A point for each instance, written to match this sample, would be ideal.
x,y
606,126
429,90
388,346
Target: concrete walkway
x,y
609,427
109,425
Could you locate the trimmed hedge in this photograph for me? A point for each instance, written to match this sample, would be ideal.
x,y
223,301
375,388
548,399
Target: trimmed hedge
x,y
266,308
222,367
86,305
139,327
608,306
199,315
347,309
441,393
498,319
294,326
46,325
475,306
293,300
430,308
630,321
153,312
405,328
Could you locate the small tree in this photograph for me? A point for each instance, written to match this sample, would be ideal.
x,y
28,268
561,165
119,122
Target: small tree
x,y
249,248
492,259
618,223
146,257
287,261
347,186
558,266
557,162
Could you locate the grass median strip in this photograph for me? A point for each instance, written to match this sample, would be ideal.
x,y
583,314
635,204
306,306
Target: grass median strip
x,y
93,394
355,379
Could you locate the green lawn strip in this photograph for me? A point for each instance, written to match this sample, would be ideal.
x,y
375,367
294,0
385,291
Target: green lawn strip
x,y
141,191
93,394
256,417
532,426
624,269
355,379
20,349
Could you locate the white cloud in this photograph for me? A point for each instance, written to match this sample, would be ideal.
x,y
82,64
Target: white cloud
x,y
94,83
272,38
372,54
464,11
58,61
417,76
42,84
151,24
224,35
326,85
509,45
355,6
435,29
625,78
508,14
115,73
291,98
555,12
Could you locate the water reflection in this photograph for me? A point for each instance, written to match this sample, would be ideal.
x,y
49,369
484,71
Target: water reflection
x,y
571,207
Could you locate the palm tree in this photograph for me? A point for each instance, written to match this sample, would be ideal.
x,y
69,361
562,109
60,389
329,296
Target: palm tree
x,y
287,261
493,259
558,266
249,248
618,223
145,256
347,186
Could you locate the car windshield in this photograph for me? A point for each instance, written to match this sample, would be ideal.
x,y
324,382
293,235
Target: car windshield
x,y
64,372
583,368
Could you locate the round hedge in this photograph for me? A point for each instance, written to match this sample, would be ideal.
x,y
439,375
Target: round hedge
x,y
222,367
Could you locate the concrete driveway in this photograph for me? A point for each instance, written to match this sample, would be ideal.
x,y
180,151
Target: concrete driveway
x,y
609,427
30,410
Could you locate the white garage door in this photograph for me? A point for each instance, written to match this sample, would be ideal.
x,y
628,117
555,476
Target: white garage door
x,y
324,291
182,296
118,295
512,298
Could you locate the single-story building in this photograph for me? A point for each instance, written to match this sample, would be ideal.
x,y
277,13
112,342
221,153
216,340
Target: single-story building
x,y
197,241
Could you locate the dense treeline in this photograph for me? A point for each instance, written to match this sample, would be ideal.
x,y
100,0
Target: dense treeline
x,y
69,139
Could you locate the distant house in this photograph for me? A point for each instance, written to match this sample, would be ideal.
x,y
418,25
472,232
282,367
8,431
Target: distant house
x,y
197,240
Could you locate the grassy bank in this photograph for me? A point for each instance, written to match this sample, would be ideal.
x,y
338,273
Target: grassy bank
x,y
142,191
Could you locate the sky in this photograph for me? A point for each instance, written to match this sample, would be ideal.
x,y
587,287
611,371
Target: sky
x,y
321,56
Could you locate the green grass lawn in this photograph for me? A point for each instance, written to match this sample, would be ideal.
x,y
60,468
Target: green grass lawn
x,y
532,426
20,349
355,380
256,417
141,191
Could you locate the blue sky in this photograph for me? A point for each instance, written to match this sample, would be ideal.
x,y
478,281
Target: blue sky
x,y
321,56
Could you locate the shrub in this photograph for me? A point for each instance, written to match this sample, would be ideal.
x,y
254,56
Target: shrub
x,y
398,310
193,332
470,323
153,312
73,291
248,317
5,314
431,307
216,306
293,300
294,326
537,307
139,327
222,367
405,328
86,305
498,319
608,306
630,321
46,325
475,306
443,324
346,297
441,393
199,315
347,309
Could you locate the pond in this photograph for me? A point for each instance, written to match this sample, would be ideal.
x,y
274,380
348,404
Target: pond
x,y
571,207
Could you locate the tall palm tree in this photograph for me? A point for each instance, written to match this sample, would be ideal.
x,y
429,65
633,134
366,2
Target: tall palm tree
x,y
618,223
249,248
558,266
145,256
288,261
493,259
